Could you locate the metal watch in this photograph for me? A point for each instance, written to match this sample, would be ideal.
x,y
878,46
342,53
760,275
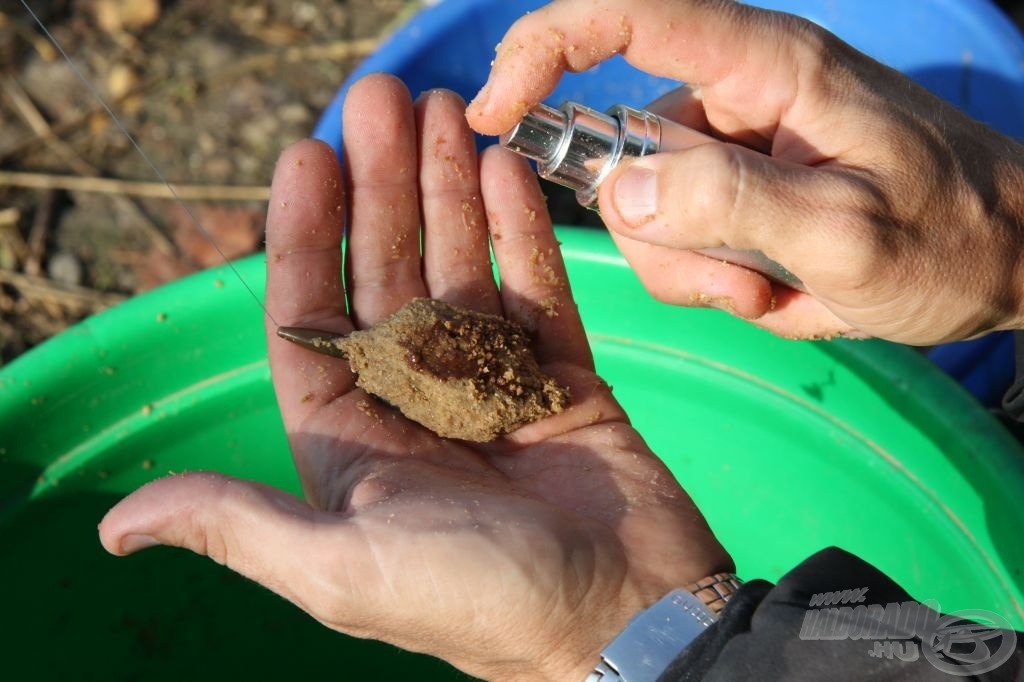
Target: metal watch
x,y
656,637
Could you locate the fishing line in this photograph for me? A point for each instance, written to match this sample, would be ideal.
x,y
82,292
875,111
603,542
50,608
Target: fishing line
x,y
156,171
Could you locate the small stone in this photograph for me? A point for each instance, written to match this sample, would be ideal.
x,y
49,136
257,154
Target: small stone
x,y
64,267
116,16
120,80
294,113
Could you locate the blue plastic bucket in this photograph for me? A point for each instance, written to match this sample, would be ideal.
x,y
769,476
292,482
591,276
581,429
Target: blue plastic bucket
x,y
966,51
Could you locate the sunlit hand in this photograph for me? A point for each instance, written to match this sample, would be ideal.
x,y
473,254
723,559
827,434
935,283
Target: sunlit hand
x,y
904,218
517,559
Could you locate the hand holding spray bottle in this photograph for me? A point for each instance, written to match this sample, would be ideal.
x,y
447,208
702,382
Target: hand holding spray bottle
x,y
578,147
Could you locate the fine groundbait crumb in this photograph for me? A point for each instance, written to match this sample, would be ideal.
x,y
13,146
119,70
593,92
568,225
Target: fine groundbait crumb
x,y
460,373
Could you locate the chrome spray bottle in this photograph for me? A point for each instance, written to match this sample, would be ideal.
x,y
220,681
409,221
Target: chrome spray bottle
x,y
578,147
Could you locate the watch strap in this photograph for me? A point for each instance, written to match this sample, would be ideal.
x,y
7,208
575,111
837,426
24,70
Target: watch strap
x,y
716,590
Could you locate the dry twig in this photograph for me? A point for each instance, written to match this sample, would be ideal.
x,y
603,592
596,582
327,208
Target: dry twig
x,y
337,50
37,234
43,289
35,120
150,190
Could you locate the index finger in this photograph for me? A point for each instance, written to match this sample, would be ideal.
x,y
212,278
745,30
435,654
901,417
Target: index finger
x,y
696,41
304,286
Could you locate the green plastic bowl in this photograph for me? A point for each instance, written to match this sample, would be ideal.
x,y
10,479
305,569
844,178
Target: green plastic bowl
x,y
788,447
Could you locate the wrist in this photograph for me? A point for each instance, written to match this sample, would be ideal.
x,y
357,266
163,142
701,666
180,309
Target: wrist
x,y
614,601
706,596
659,635
578,655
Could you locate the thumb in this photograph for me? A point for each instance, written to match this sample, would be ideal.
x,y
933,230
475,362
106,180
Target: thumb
x,y
258,531
719,194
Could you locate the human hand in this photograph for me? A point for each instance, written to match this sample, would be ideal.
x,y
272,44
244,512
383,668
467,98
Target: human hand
x,y
903,217
517,559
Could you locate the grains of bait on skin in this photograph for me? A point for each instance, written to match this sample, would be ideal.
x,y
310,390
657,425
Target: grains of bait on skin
x,y
307,398
366,408
550,306
624,28
541,272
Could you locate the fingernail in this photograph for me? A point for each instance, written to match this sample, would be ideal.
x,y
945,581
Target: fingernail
x,y
426,93
636,195
135,542
480,101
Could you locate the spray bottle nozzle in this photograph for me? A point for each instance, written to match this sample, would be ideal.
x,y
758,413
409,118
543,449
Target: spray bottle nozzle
x,y
538,135
577,146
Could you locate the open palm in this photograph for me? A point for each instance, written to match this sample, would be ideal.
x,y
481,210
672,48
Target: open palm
x,y
517,558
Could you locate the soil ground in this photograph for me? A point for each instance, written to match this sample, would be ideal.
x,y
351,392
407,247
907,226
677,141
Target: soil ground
x,y
213,91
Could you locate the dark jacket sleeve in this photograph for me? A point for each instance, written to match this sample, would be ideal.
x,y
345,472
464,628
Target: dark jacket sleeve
x,y
775,633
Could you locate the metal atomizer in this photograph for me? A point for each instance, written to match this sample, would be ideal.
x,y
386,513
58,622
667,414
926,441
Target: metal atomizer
x,y
578,147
